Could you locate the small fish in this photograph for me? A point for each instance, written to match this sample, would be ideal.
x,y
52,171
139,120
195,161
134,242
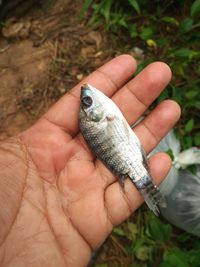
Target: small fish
x,y
112,140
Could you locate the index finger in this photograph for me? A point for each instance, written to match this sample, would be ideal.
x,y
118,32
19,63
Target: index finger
x,y
110,77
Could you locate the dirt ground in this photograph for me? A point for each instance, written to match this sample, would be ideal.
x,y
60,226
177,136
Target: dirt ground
x,y
42,55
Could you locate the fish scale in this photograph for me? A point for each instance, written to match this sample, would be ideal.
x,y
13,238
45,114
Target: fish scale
x,y
111,139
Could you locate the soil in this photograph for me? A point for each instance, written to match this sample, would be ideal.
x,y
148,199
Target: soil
x,y
42,55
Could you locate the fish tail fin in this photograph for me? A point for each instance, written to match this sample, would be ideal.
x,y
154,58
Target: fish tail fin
x,y
151,194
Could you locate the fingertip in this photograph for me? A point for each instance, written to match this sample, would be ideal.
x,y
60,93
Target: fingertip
x,y
128,61
158,74
168,112
161,68
175,106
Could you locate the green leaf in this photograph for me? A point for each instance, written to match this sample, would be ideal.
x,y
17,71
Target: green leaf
x,y
170,20
85,7
106,10
184,237
189,125
143,253
186,25
195,8
119,231
197,139
146,33
135,5
175,258
101,265
159,230
177,95
179,69
133,30
191,94
184,53
162,41
133,230
187,142
194,255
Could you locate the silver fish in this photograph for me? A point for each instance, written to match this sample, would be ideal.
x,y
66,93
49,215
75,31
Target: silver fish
x,y
112,140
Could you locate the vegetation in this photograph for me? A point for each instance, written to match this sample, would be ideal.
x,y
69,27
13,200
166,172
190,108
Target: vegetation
x,y
167,30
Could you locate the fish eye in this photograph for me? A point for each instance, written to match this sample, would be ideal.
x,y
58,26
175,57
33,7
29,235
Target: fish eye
x,y
86,101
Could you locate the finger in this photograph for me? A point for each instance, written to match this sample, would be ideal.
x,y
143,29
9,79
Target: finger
x,y
157,124
135,97
121,204
108,78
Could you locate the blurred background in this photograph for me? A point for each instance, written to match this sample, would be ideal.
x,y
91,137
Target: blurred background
x,y
48,46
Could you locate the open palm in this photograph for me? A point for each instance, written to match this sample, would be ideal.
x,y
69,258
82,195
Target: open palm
x,y
57,201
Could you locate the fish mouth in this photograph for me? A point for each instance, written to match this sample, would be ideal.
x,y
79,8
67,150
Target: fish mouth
x,y
85,90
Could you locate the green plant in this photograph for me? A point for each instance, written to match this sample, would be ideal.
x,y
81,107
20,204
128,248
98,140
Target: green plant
x,y
154,243
167,31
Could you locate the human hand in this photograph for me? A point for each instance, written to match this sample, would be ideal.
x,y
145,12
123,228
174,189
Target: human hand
x,y
57,202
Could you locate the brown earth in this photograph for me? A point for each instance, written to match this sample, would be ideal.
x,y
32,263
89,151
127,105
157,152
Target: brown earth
x,y
42,55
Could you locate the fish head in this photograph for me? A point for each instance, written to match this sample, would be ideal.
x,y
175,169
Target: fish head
x,y
92,106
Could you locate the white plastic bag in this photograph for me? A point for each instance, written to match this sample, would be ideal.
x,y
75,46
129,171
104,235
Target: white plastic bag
x,y
181,187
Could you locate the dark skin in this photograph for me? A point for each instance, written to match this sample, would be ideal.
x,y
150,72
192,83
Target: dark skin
x,y
57,201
